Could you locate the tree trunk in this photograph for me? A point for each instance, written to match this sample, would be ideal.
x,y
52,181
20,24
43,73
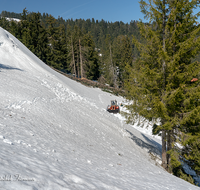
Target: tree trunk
x,y
73,59
112,68
169,147
164,48
81,60
164,140
164,152
78,69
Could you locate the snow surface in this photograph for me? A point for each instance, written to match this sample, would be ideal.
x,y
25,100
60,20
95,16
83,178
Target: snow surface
x,y
14,19
56,134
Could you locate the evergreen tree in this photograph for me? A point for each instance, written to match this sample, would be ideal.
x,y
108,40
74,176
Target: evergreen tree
x,y
63,46
90,57
109,69
54,43
24,27
4,23
82,55
41,47
15,29
71,56
160,80
122,56
75,64
34,35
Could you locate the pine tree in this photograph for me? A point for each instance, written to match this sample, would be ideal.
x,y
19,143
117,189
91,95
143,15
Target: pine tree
x,y
82,55
4,23
54,56
160,80
73,36
63,46
109,70
33,34
122,56
42,47
15,29
90,57
24,27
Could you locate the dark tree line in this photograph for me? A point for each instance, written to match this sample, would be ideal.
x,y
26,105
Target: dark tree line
x,y
86,48
10,14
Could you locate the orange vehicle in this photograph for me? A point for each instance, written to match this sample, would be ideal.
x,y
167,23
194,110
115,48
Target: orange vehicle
x,y
113,108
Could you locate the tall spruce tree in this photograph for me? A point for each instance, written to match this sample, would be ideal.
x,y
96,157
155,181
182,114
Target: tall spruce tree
x,y
54,56
109,70
15,29
90,57
63,46
160,82
122,56
82,55
4,23
71,56
24,27
32,34
74,36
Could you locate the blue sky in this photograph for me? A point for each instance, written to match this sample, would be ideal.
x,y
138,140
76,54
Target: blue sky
x,y
108,10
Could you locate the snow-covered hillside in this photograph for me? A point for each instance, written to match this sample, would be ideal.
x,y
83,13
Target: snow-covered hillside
x,y
14,19
56,134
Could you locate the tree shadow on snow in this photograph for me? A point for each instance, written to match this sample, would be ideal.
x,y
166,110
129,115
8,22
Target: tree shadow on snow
x,y
151,145
2,66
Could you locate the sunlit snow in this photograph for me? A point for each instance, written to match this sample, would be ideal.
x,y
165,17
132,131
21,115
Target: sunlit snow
x,y
56,133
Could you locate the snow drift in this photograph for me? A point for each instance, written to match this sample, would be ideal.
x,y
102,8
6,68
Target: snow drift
x,y
56,134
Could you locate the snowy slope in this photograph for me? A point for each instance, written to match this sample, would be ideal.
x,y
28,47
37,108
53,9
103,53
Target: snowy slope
x,y
14,19
56,134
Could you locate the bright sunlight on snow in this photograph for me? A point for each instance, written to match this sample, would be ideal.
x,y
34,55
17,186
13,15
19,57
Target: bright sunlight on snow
x,y
56,133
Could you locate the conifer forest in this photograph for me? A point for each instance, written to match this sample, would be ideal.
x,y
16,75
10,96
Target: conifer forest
x,y
85,48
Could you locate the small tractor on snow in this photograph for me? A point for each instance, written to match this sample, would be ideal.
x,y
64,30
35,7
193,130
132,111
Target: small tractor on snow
x,y
113,108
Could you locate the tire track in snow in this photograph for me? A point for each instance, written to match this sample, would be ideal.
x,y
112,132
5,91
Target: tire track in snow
x,y
64,94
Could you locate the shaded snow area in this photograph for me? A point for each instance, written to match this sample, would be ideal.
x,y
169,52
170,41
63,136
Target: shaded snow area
x,y
56,134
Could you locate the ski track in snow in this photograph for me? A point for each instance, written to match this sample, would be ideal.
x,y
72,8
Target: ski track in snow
x,y
56,133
